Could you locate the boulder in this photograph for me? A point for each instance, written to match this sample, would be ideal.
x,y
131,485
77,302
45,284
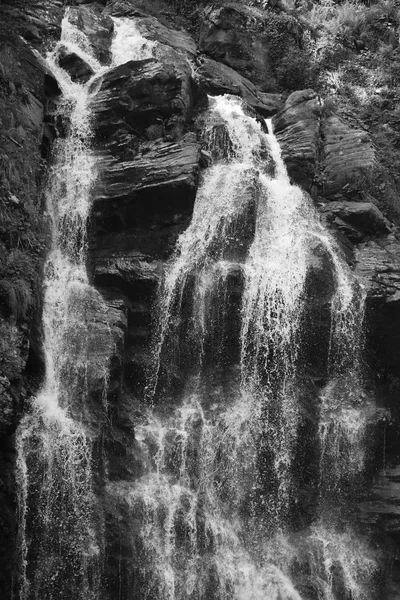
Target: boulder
x,y
217,78
297,128
357,219
75,66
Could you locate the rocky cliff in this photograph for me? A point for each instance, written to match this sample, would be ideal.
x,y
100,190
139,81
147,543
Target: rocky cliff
x,y
147,136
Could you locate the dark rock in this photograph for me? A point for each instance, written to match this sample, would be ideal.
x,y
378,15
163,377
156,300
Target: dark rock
x,y
378,267
159,184
126,271
261,44
319,287
360,219
51,87
32,34
383,507
138,96
96,26
152,29
75,66
23,99
323,149
217,78
297,129
227,34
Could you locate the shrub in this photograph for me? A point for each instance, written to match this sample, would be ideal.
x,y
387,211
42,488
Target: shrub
x,y
16,297
294,70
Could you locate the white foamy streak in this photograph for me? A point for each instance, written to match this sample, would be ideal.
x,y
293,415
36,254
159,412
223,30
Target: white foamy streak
x,y
340,557
287,224
54,453
220,201
75,41
189,504
128,43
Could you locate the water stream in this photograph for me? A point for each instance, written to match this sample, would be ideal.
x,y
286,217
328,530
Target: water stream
x,y
217,502
60,524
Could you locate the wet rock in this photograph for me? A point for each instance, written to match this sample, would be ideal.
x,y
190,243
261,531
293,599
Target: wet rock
x,y
157,185
32,34
153,29
75,66
378,269
297,127
319,287
96,26
357,219
383,507
217,78
143,100
127,271
122,527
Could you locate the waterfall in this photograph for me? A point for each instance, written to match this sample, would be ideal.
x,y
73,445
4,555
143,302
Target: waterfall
x,y
213,513
60,526
216,500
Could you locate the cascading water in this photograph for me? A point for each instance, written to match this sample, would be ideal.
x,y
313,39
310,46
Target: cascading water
x,y
54,451
60,526
215,502
212,515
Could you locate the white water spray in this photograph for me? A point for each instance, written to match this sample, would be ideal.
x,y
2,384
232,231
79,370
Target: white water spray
x,y
54,470
261,418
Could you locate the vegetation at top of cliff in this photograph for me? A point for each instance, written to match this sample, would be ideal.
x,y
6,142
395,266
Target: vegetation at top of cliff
x,y
21,229
355,52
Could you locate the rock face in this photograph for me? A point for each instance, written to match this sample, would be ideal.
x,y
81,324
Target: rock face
x,y
254,42
145,99
384,506
27,93
226,36
297,127
322,152
150,160
348,155
217,78
248,40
